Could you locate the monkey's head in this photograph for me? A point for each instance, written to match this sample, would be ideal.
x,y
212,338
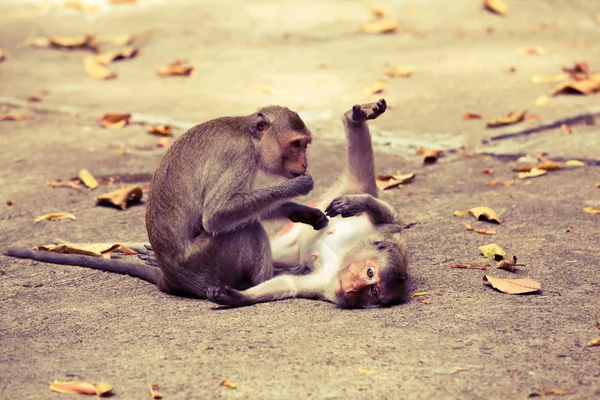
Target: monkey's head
x,y
283,139
373,275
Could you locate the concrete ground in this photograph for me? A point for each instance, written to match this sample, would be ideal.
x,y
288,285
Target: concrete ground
x,y
463,340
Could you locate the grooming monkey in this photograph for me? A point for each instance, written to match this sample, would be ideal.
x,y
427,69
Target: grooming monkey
x,y
360,260
203,215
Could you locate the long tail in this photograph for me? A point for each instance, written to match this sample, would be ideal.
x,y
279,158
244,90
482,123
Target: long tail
x,y
145,272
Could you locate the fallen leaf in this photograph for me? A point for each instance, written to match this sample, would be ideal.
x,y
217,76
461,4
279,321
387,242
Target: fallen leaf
x,y
93,250
366,372
513,286
164,142
499,183
485,214
584,86
580,67
492,251
488,171
378,12
509,119
542,101
176,68
68,184
549,78
74,42
569,229
379,25
591,210
53,216
384,182
96,69
13,117
398,72
38,41
483,231
34,99
594,342
535,172
574,163
376,87
121,40
228,384
164,130
430,156
2,56
566,129
461,213
88,179
470,266
122,197
114,121
419,294
547,165
73,387
528,51
597,185
470,115
509,265
107,58
495,6
552,392
103,389
154,391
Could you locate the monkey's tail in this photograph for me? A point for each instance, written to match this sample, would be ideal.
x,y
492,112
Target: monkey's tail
x,y
145,272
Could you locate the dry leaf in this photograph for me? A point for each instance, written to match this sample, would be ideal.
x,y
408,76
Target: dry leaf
x,y
488,171
584,86
228,384
103,389
513,286
96,69
528,51
121,40
535,172
164,142
122,197
552,392
460,213
378,12
366,372
88,179
574,163
53,216
549,78
68,184
581,67
591,210
470,266
177,68
430,156
154,391
93,249
384,182
594,342
398,72
74,42
597,185
470,115
542,101
566,129
483,231
38,41
495,6
419,294
2,56
164,130
499,183
34,99
99,389
569,229
509,265
13,117
379,25
485,214
377,87
492,251
509,119
114,121
547,165
107,58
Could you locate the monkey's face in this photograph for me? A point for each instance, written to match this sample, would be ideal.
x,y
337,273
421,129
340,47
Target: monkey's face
x,y
360,284
284,153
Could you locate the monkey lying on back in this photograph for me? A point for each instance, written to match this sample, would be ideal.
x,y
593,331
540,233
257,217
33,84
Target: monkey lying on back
x,y
203,215
360,260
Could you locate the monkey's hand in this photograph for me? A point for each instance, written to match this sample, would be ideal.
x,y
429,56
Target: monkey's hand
x,y
361,113
346,206
310,216
227,296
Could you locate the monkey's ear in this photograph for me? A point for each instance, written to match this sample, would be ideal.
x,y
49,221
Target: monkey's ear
x,y
259,124
385,245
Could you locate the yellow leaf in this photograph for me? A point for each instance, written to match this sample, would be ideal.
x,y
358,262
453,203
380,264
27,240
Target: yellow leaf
x,y
367,372
547,165
379,25
542,101
72,42
103,388
492,251
513,286
73,387
121,40
154,391
495,6
228,384
460,213
114,121
384,182
535,172
96,69
88,179
52,216
122,197
591,210
176,68
485,214
574,163
419,294
594,342
164,130
509,119
398,72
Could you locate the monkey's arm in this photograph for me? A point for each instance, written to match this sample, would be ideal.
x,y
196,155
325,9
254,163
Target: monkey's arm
x,y
299,213
379,211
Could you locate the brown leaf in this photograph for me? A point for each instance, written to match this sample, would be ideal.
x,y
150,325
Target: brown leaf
x,y
430,156
34,99
419,294
114,121
547,165
509,119
581,67
52,216
535,172
154,391
88,249
376,87
96,69
164,130
513,286
499,183
2,56
591,210
122,197
552,392
13,117
88,179
584,86
107,58
566,129
470,115
569,229
495,6
594,342
597,185
483,231
379,25
384,182
509,265
228,384
9,202
485,214
398,72
488,171
471,266
74,42
68,184
176,68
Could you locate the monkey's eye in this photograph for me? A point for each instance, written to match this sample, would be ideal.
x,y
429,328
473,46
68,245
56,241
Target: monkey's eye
x,y
374,290
296,143
261,126
370,273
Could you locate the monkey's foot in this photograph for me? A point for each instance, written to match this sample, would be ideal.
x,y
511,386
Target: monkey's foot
x,y
361,113
346,206
226,296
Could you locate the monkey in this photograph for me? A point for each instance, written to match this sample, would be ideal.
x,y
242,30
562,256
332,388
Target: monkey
x,y
361,260
203,214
